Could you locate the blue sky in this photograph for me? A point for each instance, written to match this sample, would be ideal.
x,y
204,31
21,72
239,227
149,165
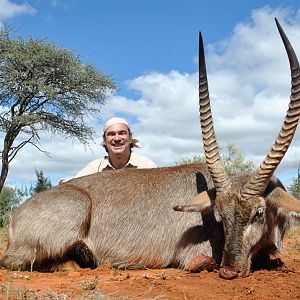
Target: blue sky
x,y
132,37
150,47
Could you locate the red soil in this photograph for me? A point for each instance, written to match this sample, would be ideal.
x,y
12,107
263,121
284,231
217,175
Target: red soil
x,y
108,283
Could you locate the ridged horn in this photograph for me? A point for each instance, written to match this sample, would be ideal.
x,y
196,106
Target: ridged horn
x,y
259,180
212,155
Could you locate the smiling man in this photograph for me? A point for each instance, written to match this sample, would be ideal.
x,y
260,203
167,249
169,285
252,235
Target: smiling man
x,y
118,143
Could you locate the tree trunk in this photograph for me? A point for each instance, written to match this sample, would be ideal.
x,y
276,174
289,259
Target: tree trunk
x,y
4,172
10,136
5,165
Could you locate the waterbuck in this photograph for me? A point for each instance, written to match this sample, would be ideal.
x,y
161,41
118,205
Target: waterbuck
x,y
125,218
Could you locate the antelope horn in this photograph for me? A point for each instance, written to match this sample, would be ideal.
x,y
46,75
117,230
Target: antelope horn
x,y
212,155
259,180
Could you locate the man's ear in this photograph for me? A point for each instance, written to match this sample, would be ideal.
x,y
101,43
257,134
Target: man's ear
x,y
200,203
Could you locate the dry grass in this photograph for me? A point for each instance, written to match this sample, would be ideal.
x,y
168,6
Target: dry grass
x,y
21,293
294,232
3,240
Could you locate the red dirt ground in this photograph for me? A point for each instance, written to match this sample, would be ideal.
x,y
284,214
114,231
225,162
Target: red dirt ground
x,y
108,283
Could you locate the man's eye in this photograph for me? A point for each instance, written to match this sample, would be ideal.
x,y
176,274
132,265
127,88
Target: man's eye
x,y
113,133
123,132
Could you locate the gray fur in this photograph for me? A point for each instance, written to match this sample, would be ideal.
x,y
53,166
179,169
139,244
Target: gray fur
x,y
124,218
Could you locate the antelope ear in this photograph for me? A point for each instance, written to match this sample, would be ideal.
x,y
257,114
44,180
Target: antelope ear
x,y
285,202
199,203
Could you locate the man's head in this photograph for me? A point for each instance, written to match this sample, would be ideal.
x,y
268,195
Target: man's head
x,y
117,137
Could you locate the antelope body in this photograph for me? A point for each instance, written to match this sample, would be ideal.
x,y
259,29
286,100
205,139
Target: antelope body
x,y
120,217
125,217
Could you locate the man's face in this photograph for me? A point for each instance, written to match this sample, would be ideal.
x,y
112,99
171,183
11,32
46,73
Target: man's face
x,y
117,139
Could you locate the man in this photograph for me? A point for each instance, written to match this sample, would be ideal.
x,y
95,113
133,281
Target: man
x,y
118,143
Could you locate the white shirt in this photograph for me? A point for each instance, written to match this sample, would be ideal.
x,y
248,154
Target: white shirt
x,y
102,164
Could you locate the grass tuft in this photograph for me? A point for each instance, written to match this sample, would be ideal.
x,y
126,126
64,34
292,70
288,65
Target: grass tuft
x,y
89,285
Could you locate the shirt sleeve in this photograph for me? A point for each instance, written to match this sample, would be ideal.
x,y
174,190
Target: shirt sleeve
x,y
141,161
90,168
150,164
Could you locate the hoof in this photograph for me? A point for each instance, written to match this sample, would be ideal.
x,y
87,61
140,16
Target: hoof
x,y
200,263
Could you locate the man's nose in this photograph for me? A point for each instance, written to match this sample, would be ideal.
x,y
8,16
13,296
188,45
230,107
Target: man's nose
x,y
117,137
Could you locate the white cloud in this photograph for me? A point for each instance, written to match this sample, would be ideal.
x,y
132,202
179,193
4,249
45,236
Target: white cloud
x,y
8,10
249,82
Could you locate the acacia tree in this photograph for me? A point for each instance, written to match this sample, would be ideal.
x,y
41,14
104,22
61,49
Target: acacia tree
x,y
233,159
45,88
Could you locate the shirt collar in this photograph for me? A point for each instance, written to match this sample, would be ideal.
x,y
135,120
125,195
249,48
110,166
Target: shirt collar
x,y
132,162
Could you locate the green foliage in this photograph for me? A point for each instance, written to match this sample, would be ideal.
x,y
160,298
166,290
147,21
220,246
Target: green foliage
x,y
42,183
196,159
294,188
9,199
44,87
233,160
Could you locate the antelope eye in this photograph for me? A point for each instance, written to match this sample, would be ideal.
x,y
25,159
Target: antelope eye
x,y
259,214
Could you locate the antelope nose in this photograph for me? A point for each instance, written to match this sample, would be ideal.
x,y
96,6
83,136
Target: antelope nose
x,y
228,273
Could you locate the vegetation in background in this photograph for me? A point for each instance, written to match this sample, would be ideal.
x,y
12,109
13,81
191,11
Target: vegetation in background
x,y
42,183
294,188
196,159
233,159
10,198
45,88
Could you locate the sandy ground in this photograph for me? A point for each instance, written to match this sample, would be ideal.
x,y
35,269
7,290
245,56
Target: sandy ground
x,y
108,283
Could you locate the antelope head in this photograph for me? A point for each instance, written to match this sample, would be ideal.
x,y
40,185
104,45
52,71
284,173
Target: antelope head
x,y
254,219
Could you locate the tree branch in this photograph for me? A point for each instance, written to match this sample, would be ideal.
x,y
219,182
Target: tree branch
x,y
15,150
